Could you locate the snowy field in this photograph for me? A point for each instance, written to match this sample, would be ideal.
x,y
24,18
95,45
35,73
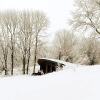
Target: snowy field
x,y
74,82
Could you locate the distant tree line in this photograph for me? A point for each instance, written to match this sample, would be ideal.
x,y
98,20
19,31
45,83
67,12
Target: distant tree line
x,y
76,49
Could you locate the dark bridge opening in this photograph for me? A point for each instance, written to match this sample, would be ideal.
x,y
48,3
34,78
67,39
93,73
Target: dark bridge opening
x,y
47,66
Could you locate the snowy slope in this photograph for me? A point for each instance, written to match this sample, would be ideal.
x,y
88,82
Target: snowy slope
x,y
73,83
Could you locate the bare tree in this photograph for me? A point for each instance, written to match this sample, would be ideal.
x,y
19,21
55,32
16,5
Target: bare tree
x,y
86,18
63,44
87,51
40,22
86,15
25,38
11,23
4,43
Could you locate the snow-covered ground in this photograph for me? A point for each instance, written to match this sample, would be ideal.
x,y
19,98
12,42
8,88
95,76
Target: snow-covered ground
x,y
74,82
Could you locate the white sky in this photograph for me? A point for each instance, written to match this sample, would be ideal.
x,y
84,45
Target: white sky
x,y
58,11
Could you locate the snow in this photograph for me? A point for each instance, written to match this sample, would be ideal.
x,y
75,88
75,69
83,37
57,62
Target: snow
x,y
74,82
56,60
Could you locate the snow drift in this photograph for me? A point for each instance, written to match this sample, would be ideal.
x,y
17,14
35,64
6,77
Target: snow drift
x,y
73,83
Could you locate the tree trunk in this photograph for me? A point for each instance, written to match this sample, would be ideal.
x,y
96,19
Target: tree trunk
x,y
28,61
35,53
5,66
12,62
34,63
28,64
59,56
24,63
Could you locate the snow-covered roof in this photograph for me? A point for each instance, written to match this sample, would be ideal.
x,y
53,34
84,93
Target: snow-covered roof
x,y
55,60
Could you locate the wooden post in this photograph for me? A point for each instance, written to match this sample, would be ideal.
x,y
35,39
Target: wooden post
x,y
46,68
51,67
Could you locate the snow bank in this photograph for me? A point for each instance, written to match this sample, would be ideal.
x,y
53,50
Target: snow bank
x,y
80,83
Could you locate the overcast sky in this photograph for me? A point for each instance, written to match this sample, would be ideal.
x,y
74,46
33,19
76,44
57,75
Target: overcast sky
x,y
58,11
